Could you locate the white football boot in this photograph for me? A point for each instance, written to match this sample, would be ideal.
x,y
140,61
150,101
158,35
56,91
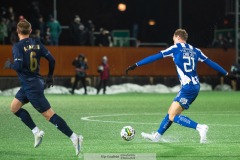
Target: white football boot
x,y
154,137
38,138
78,144
202,129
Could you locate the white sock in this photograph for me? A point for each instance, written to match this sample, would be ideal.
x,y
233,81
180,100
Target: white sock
x,y
35,130
73,137
157,135
199,126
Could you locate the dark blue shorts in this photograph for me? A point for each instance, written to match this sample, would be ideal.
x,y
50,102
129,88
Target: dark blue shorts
x,y
187,95
33,92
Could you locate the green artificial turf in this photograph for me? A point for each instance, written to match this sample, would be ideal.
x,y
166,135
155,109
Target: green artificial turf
x,y
99,118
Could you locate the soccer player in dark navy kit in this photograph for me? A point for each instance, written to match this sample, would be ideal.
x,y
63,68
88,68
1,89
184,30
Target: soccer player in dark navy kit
x,y
185,57
26,54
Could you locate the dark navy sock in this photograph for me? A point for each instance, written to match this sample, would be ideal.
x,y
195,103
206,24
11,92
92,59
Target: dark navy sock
x,y
166,123
61,125
26,118
185,121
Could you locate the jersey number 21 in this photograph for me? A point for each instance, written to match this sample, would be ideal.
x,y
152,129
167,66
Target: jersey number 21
x,y
189,65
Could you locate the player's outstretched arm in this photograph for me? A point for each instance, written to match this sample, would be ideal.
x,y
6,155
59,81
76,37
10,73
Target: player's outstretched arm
x,y
146,60
218,68
16,65
215,66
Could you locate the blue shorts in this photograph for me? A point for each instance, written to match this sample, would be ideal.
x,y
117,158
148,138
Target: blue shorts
x,y
187,95
33,92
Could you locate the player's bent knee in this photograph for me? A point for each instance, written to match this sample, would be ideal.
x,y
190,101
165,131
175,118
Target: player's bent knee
x,y
48,114
15,105
171,117
13,109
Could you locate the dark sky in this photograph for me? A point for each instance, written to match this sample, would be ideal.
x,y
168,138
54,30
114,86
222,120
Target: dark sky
x,y
199,17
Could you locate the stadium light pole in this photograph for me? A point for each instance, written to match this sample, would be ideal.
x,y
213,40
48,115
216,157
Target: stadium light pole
x,y
237,31
180,13
55,9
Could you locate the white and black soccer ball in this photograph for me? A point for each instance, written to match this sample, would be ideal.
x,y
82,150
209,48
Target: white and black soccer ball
x,y
100,68
127,133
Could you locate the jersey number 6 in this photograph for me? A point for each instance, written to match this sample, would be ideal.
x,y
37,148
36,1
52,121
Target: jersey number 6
x,y
33,61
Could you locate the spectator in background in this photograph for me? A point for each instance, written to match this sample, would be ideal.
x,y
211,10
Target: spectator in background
x,y
230,40
81,66
11,25
10,12
104,38
220,42
47,37
77,30
54,30
41,29
235,70
10,22
33,12
3,31
91,37
221,77
36,34
14,37
21,17
84,35
104,71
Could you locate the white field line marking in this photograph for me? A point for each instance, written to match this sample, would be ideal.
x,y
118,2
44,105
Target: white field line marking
x,y
91,118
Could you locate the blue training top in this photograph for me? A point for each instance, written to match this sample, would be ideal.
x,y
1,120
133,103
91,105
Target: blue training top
x,y
185,57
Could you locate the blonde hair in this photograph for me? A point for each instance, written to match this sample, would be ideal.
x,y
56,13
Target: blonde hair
x,y
182,33
24,27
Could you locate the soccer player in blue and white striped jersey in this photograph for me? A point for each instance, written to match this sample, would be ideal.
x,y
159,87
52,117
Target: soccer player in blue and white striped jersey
x,y
185,57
